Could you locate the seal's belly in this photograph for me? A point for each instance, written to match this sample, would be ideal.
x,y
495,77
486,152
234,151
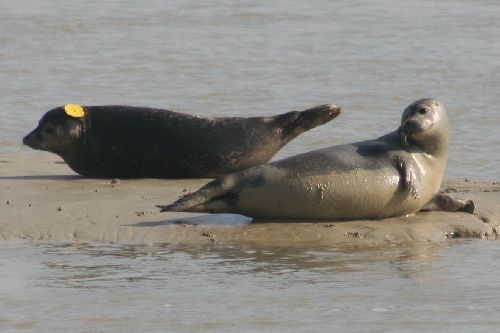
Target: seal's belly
x,y
355,194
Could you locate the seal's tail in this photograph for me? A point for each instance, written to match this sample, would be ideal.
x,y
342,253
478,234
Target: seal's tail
x,y
213,197
295,122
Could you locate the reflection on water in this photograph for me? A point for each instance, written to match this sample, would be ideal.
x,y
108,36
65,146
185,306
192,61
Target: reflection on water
x,y
249,289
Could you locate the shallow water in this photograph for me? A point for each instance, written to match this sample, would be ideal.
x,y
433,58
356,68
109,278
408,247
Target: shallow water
x,y
450,287
257,58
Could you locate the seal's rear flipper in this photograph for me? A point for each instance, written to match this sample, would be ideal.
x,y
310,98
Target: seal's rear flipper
x,y
443,202
218,205
295,123
214,197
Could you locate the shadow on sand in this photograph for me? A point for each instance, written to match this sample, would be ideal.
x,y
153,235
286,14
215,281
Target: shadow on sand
x,y
42,177
207,219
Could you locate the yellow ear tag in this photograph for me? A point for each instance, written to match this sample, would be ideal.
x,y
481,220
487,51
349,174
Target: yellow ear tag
x,y
74,110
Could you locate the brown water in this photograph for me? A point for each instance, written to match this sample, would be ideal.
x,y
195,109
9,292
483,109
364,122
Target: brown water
x,y
450,287
246,58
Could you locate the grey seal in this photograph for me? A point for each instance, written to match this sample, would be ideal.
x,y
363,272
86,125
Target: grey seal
x,y
138,142
396,174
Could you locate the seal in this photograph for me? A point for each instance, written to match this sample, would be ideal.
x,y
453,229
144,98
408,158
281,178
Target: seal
x,y
137,142
396,174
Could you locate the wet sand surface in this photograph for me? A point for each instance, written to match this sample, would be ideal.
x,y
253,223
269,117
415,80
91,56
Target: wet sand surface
x,y
43,200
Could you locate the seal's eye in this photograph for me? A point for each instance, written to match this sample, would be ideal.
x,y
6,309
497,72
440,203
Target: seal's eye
x,y
422,111
48,130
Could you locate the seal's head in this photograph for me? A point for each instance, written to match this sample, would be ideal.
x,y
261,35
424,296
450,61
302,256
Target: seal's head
x,y
425,124
58,130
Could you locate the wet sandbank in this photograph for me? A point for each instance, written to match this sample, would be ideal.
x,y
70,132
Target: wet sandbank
x,y
43,200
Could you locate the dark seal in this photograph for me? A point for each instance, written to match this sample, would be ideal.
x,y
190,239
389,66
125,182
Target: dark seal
x,y
137,142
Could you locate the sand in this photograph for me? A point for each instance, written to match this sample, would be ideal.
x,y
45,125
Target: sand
x,y
43,200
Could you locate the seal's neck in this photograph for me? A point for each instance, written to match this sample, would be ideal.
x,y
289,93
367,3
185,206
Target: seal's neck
x,y
438,146
435,143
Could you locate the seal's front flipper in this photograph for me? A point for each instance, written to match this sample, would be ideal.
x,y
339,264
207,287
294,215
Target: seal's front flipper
x,y
408,177
445,203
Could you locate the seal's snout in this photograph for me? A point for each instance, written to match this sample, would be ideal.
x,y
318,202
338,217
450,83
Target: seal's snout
x,y
33,140
405,126
28,140
410,126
